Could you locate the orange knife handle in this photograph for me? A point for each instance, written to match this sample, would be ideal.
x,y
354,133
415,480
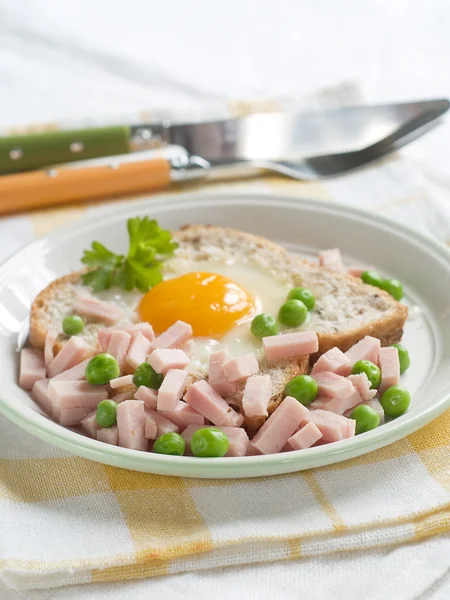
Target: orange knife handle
x,y
38,189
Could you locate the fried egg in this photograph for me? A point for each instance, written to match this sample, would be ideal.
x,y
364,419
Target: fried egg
x,y
219,301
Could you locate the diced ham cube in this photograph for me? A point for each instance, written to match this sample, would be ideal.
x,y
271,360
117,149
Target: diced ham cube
x,y
163,425
216,377
175,336
332,427
257,393
337,405
390,367
362,384
70,416
334,361
144,328
104,337
39,395
171,389
123,381
119,343
147,395
333,386
205,400
164,359
151,429
74,351
357,271
290,345
50,339
376,406
93,308
332,260
304,438
188,347
109,435
32,367
75,394
240,368
122,396
131,425
75,373
280,426
183,415
90,425
237,437
138,350
366,349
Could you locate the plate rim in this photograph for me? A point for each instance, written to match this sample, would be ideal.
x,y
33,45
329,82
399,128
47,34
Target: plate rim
x,y
231,467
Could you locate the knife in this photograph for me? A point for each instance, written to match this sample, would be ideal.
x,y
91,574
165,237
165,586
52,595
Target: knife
x,y
300,145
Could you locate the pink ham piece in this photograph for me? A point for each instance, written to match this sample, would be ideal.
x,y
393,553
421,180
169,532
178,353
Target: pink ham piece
x,y
175,336
121,381
332,427
279,427
39,395
138,350
183,415
171,389
147,395
357,271
108,435
76,373
188,347
75,394
376,406
163,425
216,377
103,337
74,351
144,328
257,393
333,386
119,343
90,425
32,367
366,349
304,438
337,405
390,367
237,437
131,425
151,429
164,359
362,384
93,308
70,416
240,368
129,395
50,339
290,345
334,361
332,260
205,400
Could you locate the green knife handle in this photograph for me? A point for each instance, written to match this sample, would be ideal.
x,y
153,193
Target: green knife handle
x,y
38,150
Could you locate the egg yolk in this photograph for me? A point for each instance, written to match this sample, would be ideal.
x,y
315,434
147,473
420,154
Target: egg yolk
x,y
210,303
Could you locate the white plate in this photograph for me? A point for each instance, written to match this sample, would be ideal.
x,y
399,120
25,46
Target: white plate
x,y
303,226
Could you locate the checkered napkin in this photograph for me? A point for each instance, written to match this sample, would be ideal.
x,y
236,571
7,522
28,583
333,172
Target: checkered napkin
x,y
65,520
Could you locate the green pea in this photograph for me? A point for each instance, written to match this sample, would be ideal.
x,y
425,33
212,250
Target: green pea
x,y
293,313
304,295
146,375
303,388
106,415
372,278
394,287
101,369
403,357
72,324
370,369
366,418
170,443
263,326
209,442
395,401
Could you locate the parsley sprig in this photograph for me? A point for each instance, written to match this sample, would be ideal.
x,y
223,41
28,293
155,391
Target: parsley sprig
x,y
140,268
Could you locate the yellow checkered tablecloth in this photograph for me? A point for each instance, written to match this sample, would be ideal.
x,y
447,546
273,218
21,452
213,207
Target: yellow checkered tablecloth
x,y
65,520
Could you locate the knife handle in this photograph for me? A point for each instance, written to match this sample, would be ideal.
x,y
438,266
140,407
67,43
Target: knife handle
x,y
35,151
38,189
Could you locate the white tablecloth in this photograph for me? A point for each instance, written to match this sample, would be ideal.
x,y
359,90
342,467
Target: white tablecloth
x,y
68,60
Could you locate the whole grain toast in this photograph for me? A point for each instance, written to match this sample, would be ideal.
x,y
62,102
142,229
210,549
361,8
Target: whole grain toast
x,y
346,308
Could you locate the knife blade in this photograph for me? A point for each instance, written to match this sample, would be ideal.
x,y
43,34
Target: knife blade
x,y
273,136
